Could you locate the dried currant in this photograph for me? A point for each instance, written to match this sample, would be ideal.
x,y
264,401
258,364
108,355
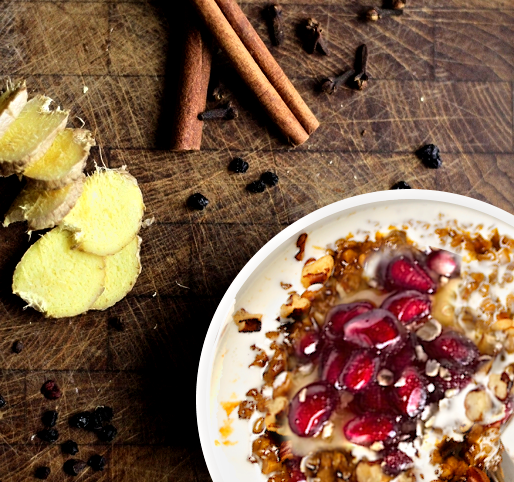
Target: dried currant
x,y
256,187
49,435
73,466
107,433
70,447
269,178
96,462
3,403
197,201
50,390
95,422
104,413
430,156
49,418
42,473
17,347
401,185
238,165
80,420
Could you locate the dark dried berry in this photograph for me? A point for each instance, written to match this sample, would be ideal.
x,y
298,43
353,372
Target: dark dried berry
x,y
116,323
256,186
70,447
50,390
17,346
401,185
269,178
238,165
42,473
197,201
105,413
3,403
107,433
95,422
49,418
80,420
73,466
430,156
49,435
96,462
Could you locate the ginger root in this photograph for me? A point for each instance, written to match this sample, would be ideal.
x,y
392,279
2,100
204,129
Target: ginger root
x,y
12,102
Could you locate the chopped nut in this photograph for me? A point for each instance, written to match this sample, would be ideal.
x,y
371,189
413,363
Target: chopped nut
x,y
260,359
294,306
246,409
246,322
385,377
275,407
300,244
317,271
502,324
432,368
370,473
498,386
430,330
477,403
474,474
285,451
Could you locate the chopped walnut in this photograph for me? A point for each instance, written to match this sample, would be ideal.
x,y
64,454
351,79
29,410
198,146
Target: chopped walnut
x,y
370,473
474,474
499,386
246,409
477,403
294,307
300,244
246,322
276,407
267,452
317,271
260,359
277,364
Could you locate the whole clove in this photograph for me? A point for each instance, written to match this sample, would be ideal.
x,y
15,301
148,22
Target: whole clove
x,y
361,60
315,40
275,24
331,84
375,13
226,112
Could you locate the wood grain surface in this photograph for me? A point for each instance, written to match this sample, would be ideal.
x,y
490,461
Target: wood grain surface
x,y
442,73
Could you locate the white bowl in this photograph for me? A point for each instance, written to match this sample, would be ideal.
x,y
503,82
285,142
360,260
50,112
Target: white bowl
x,y
223,373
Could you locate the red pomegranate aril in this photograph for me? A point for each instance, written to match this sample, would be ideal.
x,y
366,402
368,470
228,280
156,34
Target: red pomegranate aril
x,y
311,407
297,476
405,357
453,350
375,329
455,380
410,392
333,361
339,315
404,273
370,428
396,462
373,398
359,371
308,345
443,263
408,306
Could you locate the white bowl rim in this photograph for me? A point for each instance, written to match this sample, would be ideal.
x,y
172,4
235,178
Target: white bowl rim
x,y
203,384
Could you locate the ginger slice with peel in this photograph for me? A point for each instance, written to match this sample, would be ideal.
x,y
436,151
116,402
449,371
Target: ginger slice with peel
x,y
108,214
12,102
57,280
30,135
121,272
44,209
63,162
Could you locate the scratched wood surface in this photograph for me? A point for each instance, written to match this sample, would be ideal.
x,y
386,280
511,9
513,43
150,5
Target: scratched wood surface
x,y
442,73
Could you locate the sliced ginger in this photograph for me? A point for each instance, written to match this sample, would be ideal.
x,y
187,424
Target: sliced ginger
x,y
30,135
12,102
108,214
44,209
57,280
63,162
121,272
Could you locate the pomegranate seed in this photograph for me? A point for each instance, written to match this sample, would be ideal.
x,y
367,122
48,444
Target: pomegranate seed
x,y
297,476
410,392
310,408
456,380
408,306
308,345
405,357
370,428
373,399
359,371
452,349
375,329
339,315
403,273
396,462
443,263
332,363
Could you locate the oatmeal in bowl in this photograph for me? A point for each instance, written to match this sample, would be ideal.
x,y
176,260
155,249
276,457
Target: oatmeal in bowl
x,y
375,346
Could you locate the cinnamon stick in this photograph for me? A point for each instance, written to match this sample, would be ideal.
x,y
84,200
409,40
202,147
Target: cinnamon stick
x,y
268,64
250,72
196,71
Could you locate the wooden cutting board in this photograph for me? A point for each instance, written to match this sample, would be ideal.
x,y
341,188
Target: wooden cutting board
x,y
443,73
